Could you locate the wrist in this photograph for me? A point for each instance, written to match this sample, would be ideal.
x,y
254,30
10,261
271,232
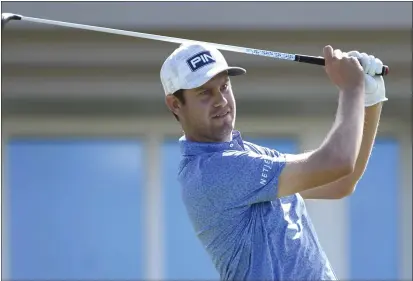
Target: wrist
x,y
354,89
373,108
374,99
375,91
352,93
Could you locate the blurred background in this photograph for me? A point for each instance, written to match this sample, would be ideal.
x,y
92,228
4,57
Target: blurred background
x,y
90,152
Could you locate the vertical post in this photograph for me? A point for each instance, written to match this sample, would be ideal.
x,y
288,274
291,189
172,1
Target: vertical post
x,y
4,214
405,197
153,216
329,216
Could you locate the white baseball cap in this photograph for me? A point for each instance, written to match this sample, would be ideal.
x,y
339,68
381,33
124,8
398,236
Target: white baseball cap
x,y
192,65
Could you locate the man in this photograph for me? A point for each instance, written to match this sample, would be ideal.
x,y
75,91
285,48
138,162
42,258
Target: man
x,y
245,201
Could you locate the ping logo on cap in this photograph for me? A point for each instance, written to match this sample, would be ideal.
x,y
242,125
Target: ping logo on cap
x,y
200,60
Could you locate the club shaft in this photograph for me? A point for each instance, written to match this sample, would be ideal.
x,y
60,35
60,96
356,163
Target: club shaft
x,y
251,51
223,47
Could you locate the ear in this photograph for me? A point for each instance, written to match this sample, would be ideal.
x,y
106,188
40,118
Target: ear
x,y
173,104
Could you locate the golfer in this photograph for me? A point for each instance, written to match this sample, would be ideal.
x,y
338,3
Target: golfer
x,y
245,201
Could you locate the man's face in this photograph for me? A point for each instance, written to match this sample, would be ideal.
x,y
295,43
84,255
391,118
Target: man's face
x,y
209,111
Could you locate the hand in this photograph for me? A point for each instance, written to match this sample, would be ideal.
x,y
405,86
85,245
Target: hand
x,y
375,89
344,71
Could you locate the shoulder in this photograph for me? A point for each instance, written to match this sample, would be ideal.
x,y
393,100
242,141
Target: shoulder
x,y
214,168
229,167
262,149
204,178
212,162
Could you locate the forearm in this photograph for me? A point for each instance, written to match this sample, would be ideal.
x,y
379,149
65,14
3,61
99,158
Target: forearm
x,y
371,123
346,135
346,185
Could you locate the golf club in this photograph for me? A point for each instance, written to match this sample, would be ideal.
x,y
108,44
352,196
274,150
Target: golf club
x,y
6,17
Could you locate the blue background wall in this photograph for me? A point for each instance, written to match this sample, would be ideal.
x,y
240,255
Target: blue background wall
x,y
75,209
374,216
76,212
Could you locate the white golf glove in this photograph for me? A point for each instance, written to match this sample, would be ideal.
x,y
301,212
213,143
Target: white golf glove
x,y
374,85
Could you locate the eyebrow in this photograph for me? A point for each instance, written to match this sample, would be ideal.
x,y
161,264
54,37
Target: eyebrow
x,y
199,88
204,88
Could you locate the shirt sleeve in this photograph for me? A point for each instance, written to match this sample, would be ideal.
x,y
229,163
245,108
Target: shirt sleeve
x,y
239,178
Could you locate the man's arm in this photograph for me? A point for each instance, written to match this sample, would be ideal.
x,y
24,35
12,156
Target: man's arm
x,y
345,186
337,155
375,91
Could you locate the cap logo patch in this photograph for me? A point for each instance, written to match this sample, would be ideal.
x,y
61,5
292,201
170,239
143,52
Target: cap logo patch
x,y
200,60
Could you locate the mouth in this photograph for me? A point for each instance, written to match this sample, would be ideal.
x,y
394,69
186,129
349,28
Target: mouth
x,y
221,115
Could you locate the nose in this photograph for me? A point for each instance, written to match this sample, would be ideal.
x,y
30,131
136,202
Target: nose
x,y
220,100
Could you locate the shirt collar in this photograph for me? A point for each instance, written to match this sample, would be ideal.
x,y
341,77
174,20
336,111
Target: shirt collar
x,y
190,148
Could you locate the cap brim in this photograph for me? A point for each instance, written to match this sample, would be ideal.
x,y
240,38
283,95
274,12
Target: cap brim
x,y
235,71
231,70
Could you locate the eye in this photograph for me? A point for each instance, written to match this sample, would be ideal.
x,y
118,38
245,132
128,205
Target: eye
x,y
203,93
225,86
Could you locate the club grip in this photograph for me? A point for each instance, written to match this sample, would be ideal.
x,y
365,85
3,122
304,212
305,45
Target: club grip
x,y
321,61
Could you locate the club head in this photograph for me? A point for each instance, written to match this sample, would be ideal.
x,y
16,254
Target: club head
x,y
6,17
